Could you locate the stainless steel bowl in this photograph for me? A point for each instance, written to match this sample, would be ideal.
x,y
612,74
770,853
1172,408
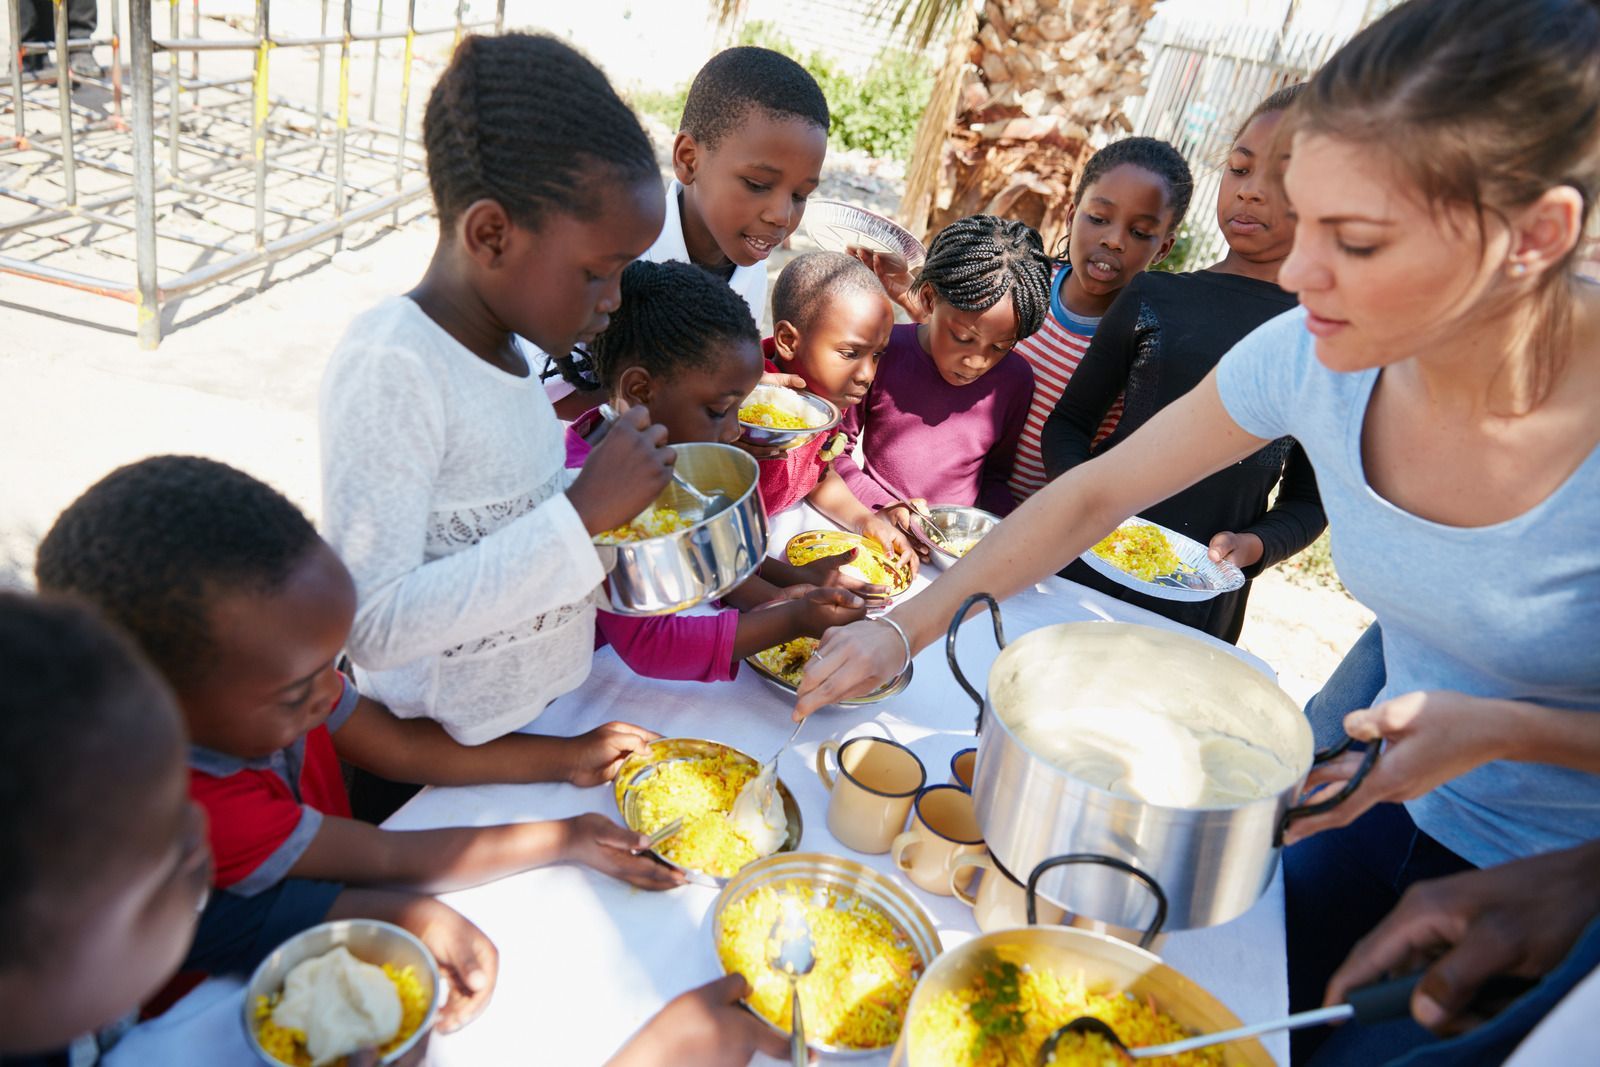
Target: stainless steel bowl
x,y
1069,953
824,878
822,413
776,682
676,571
367,940
638,767
956,523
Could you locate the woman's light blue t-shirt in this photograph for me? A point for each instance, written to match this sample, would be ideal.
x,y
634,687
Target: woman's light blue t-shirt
x,y
1508,610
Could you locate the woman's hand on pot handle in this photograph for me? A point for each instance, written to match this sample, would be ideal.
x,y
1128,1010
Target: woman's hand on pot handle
x,y
1429,737
852,661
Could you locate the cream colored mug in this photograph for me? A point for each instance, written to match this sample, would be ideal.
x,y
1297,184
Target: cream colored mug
x,y
1000,902
962,764
944,828
872,794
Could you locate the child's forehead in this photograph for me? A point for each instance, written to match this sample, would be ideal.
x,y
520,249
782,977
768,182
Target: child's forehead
x,y
773,140
1130,187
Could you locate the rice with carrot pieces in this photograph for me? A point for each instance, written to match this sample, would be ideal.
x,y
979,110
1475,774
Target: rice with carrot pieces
x,y
701,792
788,660
1009,1009
288,1046
772,417
1142,551
655,522
866,967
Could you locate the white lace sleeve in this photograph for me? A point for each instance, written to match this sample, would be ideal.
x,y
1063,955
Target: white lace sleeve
x,y
384,428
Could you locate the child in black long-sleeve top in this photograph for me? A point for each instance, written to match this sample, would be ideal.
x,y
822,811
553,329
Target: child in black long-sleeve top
x,y
1163,335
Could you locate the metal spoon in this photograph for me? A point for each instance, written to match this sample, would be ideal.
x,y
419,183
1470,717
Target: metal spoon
x,y
1369,1004
709,504
790,952
669,830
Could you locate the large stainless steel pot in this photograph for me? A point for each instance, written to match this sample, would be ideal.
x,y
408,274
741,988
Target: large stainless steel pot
x,y
1100,960
677,571
1079,843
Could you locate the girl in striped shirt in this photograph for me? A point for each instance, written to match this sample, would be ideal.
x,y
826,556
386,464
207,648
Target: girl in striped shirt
x,y
1131,197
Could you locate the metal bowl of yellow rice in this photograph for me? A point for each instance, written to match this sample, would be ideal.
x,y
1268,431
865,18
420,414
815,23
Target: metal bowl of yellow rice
x,y
1026,982
406,960
872,563
872,942
697,780
774,416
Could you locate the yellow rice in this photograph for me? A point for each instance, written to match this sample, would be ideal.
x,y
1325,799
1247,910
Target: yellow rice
x,y
961,546
1006,1013
788,660
654,522
288,1046
866,968
772,417
1142,550
871,563
701,791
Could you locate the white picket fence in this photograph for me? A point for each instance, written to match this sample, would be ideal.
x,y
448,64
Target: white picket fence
x,y
1202,79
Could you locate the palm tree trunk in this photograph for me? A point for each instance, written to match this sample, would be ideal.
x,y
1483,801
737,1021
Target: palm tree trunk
x,y
1029,89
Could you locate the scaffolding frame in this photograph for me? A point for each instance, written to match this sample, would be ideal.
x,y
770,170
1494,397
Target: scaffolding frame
x,y
271,151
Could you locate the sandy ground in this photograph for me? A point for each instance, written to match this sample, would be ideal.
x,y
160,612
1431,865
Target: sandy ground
x,y
236,377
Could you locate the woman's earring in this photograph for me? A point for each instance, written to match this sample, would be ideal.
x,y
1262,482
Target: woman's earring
x,y
1518,269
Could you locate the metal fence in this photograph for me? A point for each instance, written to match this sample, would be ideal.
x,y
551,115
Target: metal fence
x,y
209,173
1203,79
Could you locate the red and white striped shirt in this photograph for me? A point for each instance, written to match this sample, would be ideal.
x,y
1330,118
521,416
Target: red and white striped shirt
x,y
1054,352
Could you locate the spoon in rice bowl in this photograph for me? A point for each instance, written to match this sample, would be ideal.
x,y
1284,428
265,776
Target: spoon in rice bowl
x,y
790,952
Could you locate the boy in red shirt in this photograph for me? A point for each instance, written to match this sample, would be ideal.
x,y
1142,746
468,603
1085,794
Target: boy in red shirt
x,y
233,596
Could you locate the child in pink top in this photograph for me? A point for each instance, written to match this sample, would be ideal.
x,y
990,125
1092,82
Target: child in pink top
x,y
942,421
684,345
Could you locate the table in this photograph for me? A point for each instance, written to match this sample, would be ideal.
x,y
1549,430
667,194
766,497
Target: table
x,y
584,960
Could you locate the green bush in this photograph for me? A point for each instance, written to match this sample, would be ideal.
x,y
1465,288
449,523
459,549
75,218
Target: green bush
x,y
877,113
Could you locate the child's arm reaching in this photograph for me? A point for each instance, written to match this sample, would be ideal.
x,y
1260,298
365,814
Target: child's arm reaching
x,y
1294,521
421,752
834,498
439,861
1100,377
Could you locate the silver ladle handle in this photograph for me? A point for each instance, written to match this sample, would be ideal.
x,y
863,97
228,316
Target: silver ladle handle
x,y
797,1030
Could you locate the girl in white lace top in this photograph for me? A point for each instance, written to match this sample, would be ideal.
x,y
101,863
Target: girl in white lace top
x,y
444,488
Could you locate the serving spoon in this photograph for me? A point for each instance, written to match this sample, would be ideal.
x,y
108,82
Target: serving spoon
x,y
1369,1004
709,504
791,953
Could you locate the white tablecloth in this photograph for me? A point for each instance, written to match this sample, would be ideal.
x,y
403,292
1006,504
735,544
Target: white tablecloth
x,y
585,960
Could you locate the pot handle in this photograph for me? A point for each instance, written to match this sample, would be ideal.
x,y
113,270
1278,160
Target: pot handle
x,y
1150,883
1317,807
950,646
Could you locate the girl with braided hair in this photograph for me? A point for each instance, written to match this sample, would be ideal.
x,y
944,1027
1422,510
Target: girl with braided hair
x,y
445,488
942,419
684,344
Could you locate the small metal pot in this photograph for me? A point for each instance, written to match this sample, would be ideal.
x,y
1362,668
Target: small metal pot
x,y
1105,855
367,940
676,571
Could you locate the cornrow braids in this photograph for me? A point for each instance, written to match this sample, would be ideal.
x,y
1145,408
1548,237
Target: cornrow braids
x,y
673,316
810,280
1156,156
153,543
739,79
528,122
974,262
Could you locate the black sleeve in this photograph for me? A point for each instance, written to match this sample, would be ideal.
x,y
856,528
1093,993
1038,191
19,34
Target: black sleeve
x,y
1296,518
1093,388
238,932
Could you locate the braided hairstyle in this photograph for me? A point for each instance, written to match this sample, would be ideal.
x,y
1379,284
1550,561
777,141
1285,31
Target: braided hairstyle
x,y
88,734
1148,153
974,262
153,543
530,123
738,79
674,316
810,280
